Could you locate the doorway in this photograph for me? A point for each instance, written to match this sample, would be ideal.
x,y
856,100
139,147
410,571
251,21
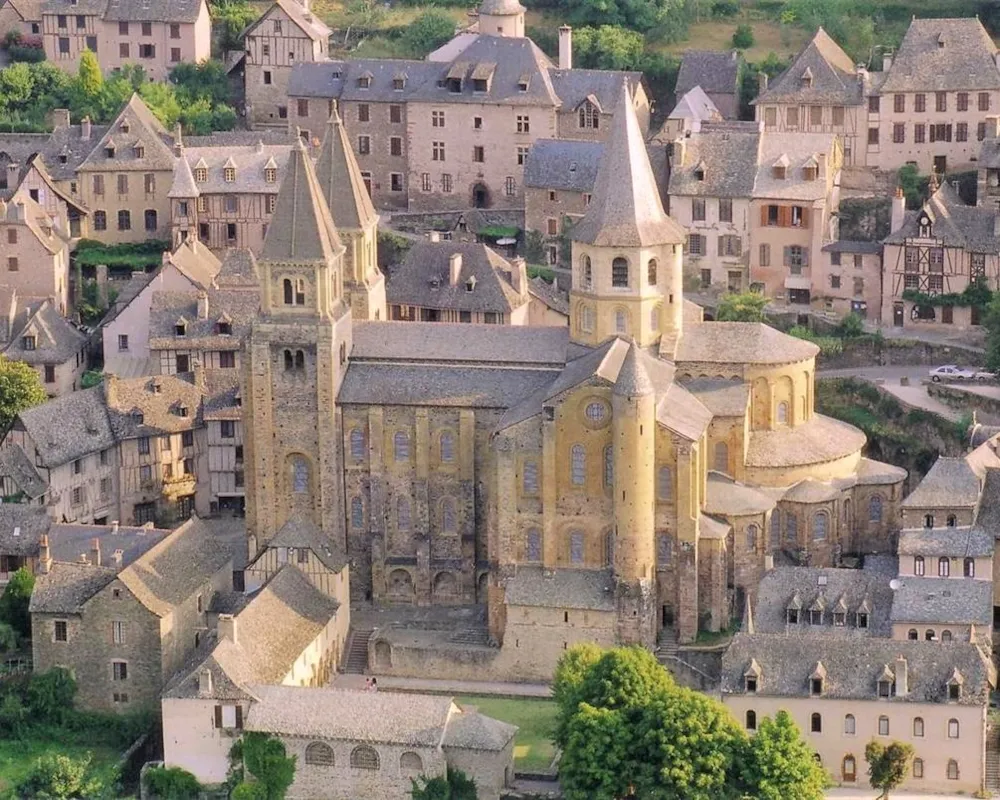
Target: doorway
x,y
667,616
897,315
480,196
940,164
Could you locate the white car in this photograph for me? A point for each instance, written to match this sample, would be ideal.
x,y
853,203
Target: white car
x,y
951,372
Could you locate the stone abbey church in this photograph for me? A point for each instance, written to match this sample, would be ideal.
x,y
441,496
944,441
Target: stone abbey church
x,y
622,479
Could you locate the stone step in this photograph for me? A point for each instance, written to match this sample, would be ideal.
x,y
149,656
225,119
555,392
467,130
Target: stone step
x,y
357,651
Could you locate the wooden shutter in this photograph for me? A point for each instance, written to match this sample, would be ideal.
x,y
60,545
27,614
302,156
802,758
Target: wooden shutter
x,y
947,132
763,215
784,216
786,256
722,245
239,717
933,132
218,716
805,216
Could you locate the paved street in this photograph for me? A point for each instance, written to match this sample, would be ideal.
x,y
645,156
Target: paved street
x,y
870,794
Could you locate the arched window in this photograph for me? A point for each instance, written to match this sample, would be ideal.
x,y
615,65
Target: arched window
x,y
609,548
664,484
664,548
791,528
721,457
820,522
364,757
751,720
944,567
883,726
411,762
300,475
928,520
875,509
289,361
918,727
576,547
953,729
752,531
850,725
401,446
289,294
952,521
918,768
651,272
621,321
447,443
619,273
609,467
929,635
403,513
913,634
918,565
533,545
586,272
300,291
952,770
319,754
775,537
357,513
300,360
946,635
782,413
529,478
849,769
357,444
578,465
816,723
448,522
969,568
587,319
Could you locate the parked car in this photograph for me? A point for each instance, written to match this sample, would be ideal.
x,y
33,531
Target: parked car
x,y
951,372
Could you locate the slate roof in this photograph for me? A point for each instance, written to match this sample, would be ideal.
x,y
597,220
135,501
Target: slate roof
x,y
716,72
152,406
950,483
237,306
340,178
196,261
423,279
161,11
14,464
301,227
803,586
549,294
625,209
19,149
563,165
21,527
797,150
26,213
988,517
695,105
222,395
143,129
591,590
852,246
28,10
268,136
953,222
741,343
471,730
726,497
947,601
68,541
852,672
820,439
960,542
66,149
943,55
250,162
68,427
726,159
876,473
298,532
81,7
67,586
724,398
834,78
57,340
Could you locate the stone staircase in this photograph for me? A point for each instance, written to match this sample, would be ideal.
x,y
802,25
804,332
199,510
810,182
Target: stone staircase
x,y
668,653
357,651
992,758
477,636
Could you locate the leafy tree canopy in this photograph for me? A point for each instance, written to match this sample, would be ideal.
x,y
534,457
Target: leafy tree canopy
x,y
428,32
267,760
60,778
742,307
14,602
887,765
455,785
780,765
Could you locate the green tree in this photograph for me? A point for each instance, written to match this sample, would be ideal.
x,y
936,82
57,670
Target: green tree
x,y
14,716
743,37
14,602
267,760
50,695
608,47
427,32
888,765
742,307
60,778
20,389
89,75
171,783
779,764
231,18
16,86
454,785
249,790
162,101
8,637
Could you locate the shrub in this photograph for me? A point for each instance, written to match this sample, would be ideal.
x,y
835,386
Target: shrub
x,y
851,326
171,783
743,37
61,778
722,9
14,602
427,32
50,695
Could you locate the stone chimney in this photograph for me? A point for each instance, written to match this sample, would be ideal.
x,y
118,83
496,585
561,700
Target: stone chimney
x,y
198,371
902,678
117,557
227,627
114,526
565,47
678,149
769,561
519,275
178,140
886,62
85,129
95,551
202,305
454,268
44,555
205,682
761,82
434,236
862,73
898,210
101,272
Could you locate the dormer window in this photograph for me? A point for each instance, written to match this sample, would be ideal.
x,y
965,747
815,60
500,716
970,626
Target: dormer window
x,y
470,284
28,342
480,85
399,82
925,226
139,151
229,174
699,174
810,172
955,685
839,619
751,678
125,126
270,175
109,151
523,82
201,174
454,85
792,616
182,411
816,616
779,172
807,78
886,682
224,327
137,417
815,686
180,329
751,684
365,81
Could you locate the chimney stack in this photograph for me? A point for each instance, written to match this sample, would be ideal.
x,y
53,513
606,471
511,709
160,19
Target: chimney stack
x,y
202,305
60,117
769,560
902,678
227,627
434,237
898,210
44,555
178,140
886,62
761,82
454,268
95,551
117,556
205,682
519,275
565,47
85,129
114,526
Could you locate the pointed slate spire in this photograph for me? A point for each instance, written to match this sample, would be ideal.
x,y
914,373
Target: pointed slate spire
x,y
301,228
633,379
340,177
626,210
748,616
183,186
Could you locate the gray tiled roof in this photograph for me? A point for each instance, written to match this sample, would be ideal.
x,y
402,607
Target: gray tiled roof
x,y
471,730
340,177
250,162
950,483
803,586
196,261
19,149
67,586
988,517
817,440
811,491
726,159
728,498
695,105
237,305
633,378
21,528
724,398
300,532
14,464
269,136
944,55
57,340
972,541
852,246
834,79
29,10
563,165
592,590
852,672
741,342
68,541
68,427
66,149
423,279
954,601
81,6
152,406
875,473
223,399
26,213
549,294
145,130
717,72
797,150
160,11
953,222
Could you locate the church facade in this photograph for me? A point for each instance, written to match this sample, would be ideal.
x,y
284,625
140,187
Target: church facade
x,y
618,481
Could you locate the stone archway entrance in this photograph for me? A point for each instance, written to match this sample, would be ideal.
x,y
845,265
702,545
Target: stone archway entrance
x,y
480,196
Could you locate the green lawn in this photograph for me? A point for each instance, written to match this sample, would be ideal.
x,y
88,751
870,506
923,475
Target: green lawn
x,y
17,757
533,748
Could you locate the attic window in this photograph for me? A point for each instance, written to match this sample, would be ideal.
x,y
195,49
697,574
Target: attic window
x,y
941,42
399,83
336,74
137,417
180,329
224,327
201,175
807,78
792,616
139,151
523,83
862,619
454,85
699,172
270,175
925,226
63,158
229,174
364,82
157,387
572,166
470,284
28,342
182,411
815,686
778,171
125,126
480,85
109,151
751,684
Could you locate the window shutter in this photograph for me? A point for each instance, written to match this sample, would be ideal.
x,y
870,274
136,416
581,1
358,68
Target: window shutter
x,y
947,131
763,215
787,256
933,132
805,256
805,216
738,246
722,245
785,216
239,717
218,716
